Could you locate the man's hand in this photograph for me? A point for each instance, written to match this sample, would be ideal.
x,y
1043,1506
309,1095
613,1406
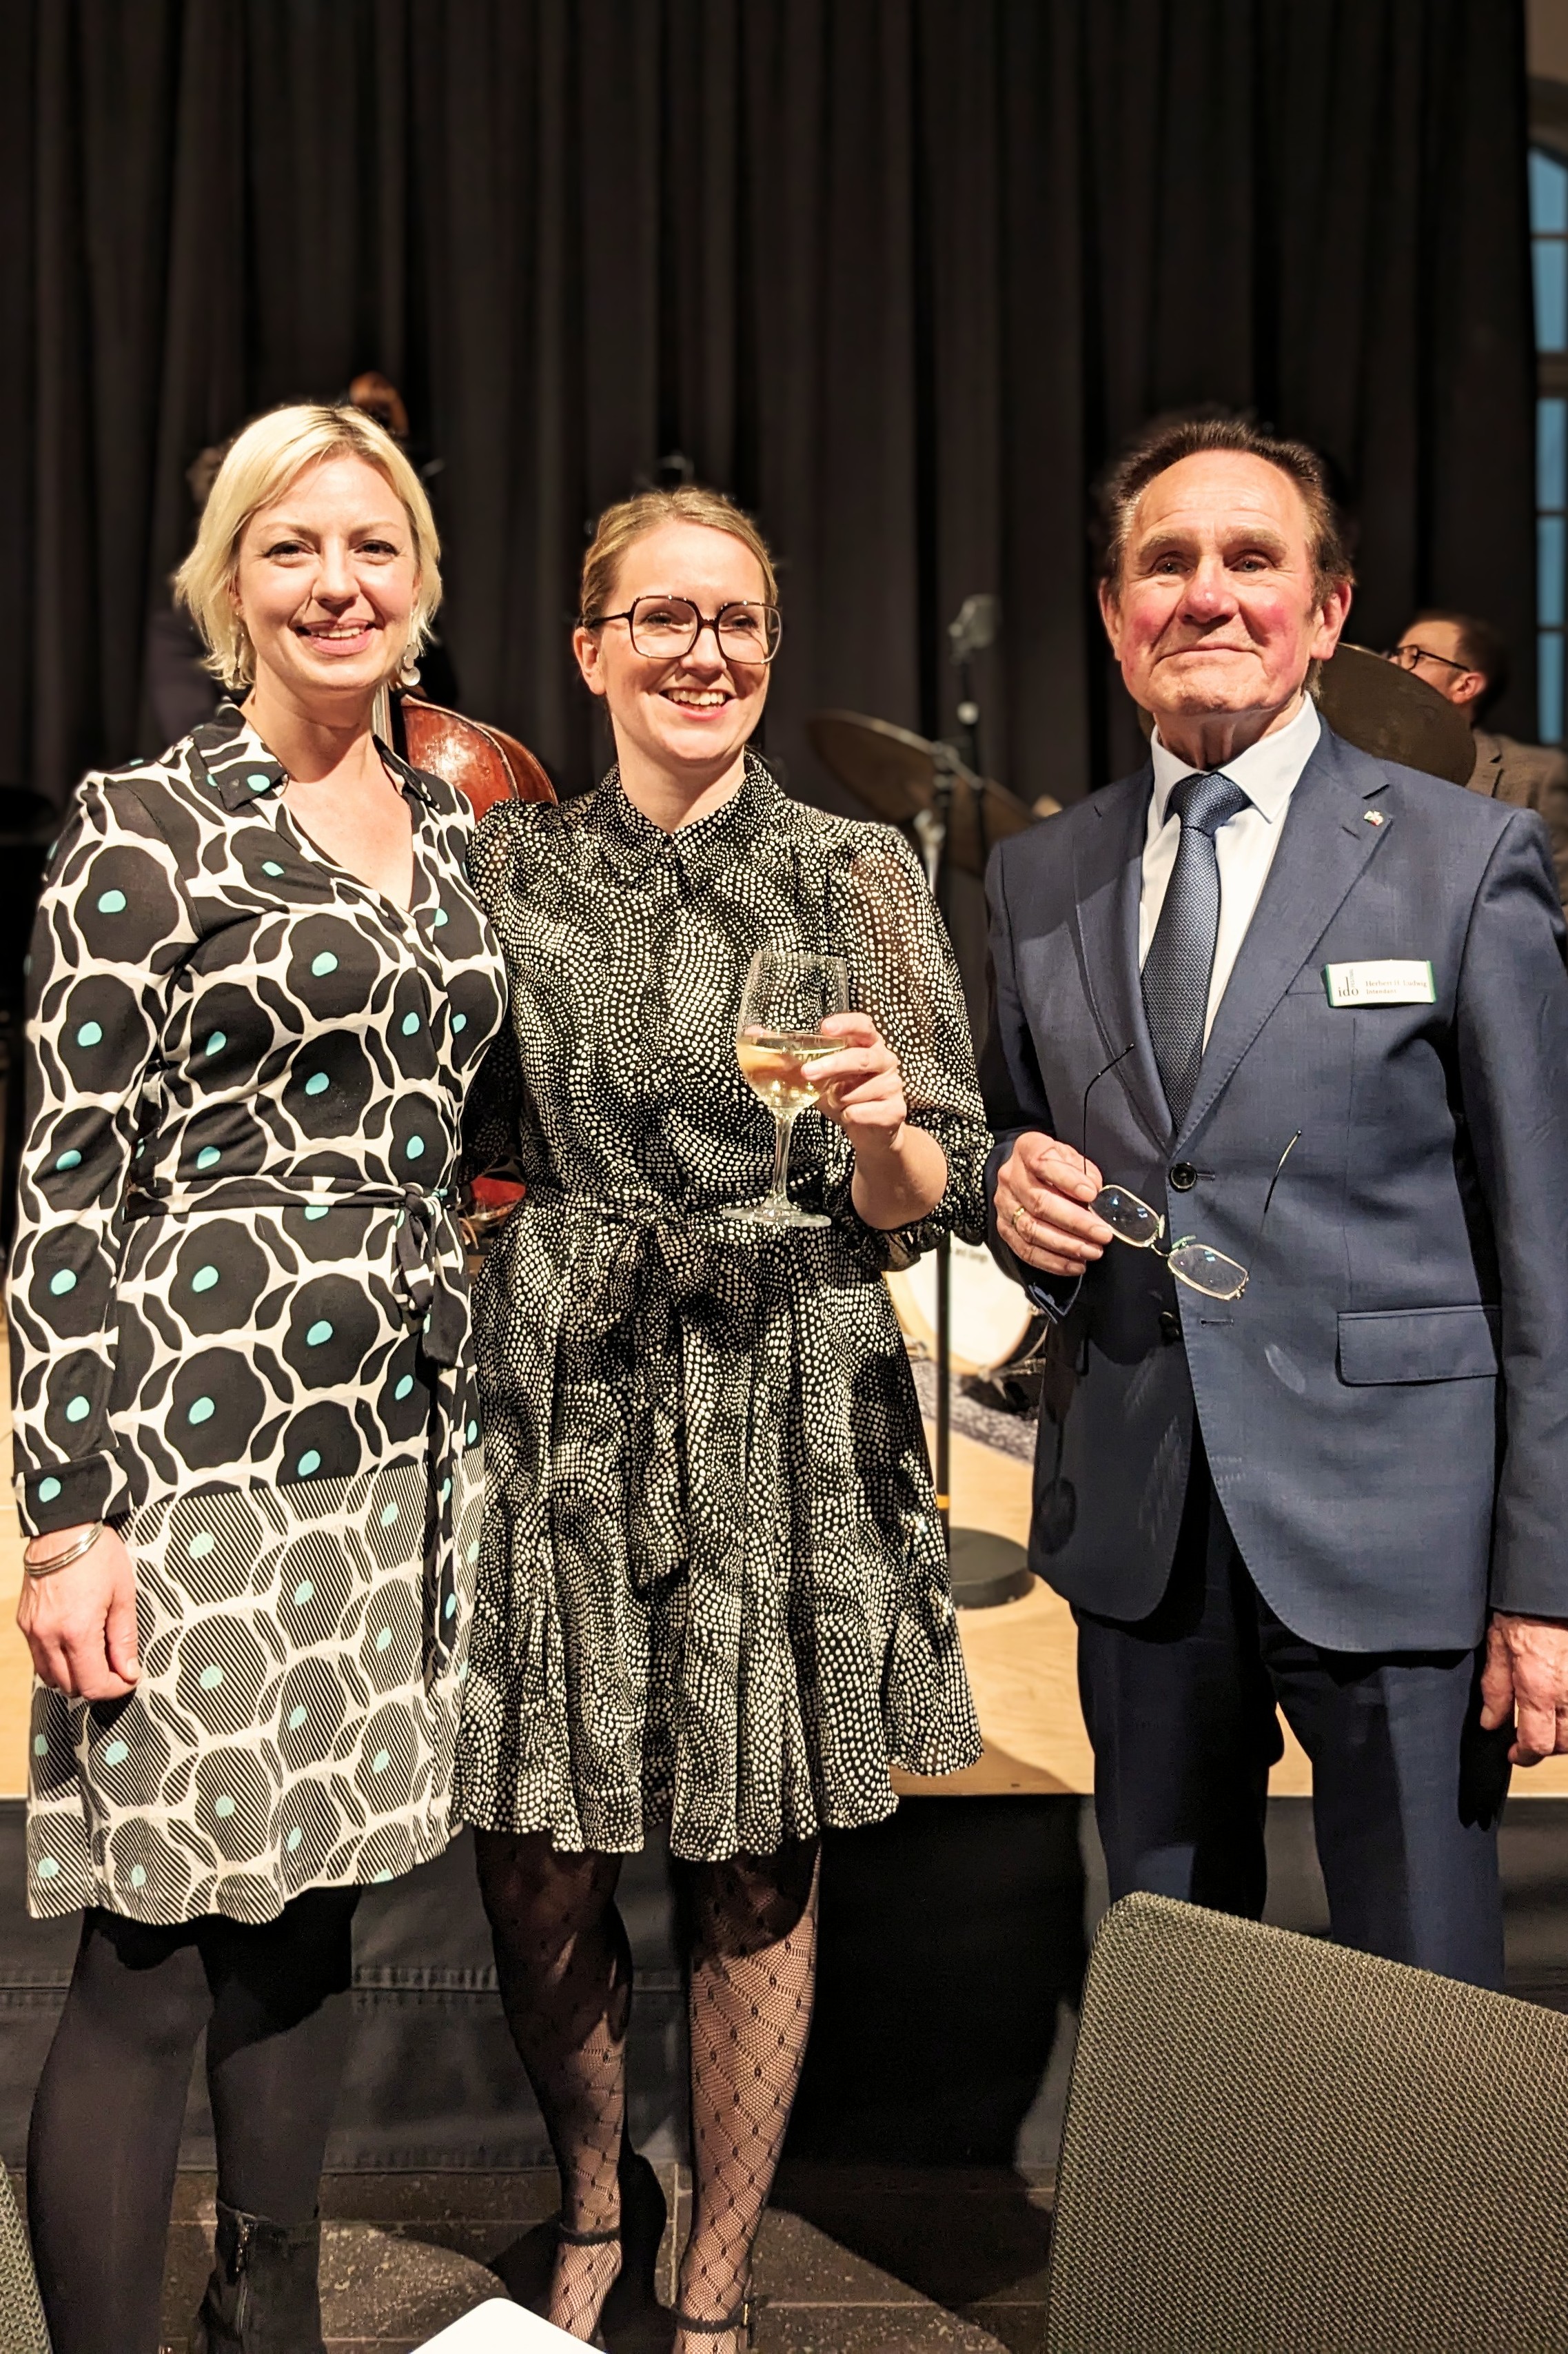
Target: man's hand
x,y
81,1624
1042,1213
1526,1679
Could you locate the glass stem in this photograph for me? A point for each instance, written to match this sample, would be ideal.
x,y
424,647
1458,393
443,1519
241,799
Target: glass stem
x,y
779,1191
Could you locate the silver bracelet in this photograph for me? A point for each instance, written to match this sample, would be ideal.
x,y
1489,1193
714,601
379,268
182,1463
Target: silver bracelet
x,y
63,1560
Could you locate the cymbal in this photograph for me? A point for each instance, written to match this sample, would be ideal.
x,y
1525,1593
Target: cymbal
x,y
1395,715
893,773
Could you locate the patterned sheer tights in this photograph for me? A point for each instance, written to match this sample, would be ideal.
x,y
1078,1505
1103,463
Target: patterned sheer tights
x,y
749,1932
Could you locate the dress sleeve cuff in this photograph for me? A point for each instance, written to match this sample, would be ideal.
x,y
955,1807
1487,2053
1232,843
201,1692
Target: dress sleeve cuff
x,y
65,1495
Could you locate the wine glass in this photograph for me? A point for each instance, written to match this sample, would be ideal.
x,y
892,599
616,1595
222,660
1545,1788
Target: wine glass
x,y
778,1036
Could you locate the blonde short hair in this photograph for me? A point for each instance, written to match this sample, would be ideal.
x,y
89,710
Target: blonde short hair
x,y
620,527
259,465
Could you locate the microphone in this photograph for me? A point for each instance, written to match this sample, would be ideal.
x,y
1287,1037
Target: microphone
x,y
969,633
974,628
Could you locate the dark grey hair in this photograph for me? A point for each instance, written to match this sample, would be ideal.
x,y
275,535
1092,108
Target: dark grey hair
x,y
1168,441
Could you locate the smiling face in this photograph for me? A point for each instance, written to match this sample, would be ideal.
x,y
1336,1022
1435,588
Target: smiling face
x,y
326,583
1218,608
687,718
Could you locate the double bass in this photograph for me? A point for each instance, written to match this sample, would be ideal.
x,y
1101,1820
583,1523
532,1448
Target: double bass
x,y
489,765
483,762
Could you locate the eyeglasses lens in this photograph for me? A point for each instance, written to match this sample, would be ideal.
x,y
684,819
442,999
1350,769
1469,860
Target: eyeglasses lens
x,y
1208,1271
1126,1216
664,627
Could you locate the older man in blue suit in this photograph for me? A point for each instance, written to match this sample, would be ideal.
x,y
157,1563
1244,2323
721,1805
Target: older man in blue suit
x,y
1279,1071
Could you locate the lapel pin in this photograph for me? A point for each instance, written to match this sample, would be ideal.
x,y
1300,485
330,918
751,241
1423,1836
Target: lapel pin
x,y
1373,817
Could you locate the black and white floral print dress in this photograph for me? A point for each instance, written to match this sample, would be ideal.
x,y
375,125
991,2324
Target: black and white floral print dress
x,y
713,1588
239,1329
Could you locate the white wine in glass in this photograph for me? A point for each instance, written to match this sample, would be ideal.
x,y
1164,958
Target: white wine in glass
x,y
778,1037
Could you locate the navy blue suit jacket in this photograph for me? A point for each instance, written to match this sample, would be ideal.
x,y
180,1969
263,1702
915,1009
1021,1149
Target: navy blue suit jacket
x,y
1385,1408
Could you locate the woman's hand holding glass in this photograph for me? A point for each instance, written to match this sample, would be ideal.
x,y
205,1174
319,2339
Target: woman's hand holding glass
x,y
1043,1207
793,1009
860,1088
900,1171
80,1621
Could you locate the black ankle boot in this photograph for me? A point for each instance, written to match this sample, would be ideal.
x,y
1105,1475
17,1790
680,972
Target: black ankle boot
x,y
264,2296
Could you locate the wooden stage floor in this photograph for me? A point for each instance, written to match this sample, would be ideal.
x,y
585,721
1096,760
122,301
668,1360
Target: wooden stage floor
x,y
1020,1657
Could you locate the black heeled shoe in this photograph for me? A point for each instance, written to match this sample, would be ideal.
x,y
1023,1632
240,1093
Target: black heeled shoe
x,y
566,2238
640,2233
264,2296
743,2320
643,2214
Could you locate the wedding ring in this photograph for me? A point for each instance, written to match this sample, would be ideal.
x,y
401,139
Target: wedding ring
x,y
1018,1218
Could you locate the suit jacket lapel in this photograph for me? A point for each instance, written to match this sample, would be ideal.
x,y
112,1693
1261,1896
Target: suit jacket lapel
x,y
1326,844
1108,859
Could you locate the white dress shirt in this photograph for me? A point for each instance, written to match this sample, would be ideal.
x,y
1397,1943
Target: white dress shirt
x,y
1268,774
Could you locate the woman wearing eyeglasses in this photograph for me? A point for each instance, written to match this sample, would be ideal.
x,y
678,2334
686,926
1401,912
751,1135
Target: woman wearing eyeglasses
x,y
713,1585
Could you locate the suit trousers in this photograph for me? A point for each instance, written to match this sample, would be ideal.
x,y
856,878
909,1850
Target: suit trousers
x,y
1181,1708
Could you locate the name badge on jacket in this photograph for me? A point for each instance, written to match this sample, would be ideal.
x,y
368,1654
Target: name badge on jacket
x,y
1392,980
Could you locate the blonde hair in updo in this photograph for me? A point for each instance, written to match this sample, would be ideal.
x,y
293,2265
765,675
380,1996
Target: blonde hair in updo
x,y
630,520
259,465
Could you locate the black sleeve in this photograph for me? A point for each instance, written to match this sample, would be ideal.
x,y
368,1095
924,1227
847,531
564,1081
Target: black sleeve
x,y
112,923
1511,1026
1014,1090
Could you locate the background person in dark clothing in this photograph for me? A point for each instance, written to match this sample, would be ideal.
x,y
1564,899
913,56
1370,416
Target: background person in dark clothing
x,y
1466,661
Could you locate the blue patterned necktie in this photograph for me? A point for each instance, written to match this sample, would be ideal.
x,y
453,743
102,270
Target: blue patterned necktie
x,y
1180,960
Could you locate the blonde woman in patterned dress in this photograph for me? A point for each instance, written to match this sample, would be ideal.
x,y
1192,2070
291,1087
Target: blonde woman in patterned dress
x,y
239,1334
713,1590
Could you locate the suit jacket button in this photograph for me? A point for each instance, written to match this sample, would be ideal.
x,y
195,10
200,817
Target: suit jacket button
x,y
1183,1177
1170,1324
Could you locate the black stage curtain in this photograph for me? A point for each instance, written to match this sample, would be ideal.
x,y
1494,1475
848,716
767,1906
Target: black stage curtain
x,y
898,274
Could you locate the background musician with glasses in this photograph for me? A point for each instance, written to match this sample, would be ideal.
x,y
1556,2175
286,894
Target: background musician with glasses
x,y
1318,1005
1466,661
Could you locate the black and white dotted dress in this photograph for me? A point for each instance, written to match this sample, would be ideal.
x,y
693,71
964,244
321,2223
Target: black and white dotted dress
x,y
713,1588
240,1327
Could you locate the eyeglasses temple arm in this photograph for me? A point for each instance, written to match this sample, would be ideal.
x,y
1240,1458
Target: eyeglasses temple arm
x,y
1088,1091
1275,1179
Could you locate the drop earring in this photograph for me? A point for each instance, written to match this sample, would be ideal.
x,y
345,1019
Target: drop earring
x,y
407,672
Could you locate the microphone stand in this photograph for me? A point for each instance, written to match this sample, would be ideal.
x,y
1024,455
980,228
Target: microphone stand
x,y
931,825
968,715
982,1568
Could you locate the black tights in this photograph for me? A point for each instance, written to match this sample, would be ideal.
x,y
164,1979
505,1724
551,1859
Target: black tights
x,y
105,2136
749,1931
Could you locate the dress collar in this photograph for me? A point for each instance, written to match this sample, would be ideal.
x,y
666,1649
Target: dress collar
x,y
1267,772
725,836
229,757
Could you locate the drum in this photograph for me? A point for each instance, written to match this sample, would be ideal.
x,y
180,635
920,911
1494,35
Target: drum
x,y
994,1331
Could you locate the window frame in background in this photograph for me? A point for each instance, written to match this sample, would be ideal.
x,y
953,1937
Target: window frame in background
x,y
1549,265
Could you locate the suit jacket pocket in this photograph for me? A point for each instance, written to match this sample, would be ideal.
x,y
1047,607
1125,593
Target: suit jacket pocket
x,y
1419,1344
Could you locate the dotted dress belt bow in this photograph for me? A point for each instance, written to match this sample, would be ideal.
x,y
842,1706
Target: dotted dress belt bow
x,y
651,1287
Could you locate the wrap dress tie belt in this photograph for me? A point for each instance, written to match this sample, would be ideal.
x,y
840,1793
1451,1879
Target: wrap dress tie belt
x,y
432,1284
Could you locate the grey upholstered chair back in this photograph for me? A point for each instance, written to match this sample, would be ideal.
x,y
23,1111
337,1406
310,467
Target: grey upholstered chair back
x,y
22,2327
1274,2144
